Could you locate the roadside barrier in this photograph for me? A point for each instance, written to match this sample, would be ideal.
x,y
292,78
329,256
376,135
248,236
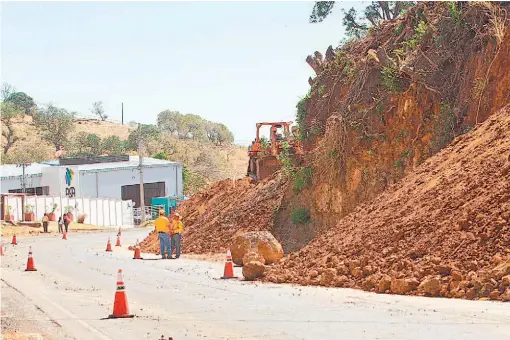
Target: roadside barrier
x,y
30,262
109,245
120,304
137,252
228,272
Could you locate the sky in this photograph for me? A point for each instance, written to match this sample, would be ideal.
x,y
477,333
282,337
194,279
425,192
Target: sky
x,y
237,63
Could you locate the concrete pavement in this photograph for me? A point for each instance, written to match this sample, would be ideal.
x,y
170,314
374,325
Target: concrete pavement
x,y
75,286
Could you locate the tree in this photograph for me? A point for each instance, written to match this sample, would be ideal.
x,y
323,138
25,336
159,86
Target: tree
x,y
113,145
192,126
7,90
98,110
224,135
94,144
148,133
9,114
374,13
169,120
22,101
161,155
55,124
321,10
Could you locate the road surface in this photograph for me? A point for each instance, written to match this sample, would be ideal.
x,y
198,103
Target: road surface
x,y
73,290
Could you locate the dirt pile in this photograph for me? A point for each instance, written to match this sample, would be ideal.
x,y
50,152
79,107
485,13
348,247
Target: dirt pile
x,y
213,216
444,230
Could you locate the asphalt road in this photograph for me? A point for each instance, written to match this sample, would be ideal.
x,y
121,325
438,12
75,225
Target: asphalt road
x,y
73,291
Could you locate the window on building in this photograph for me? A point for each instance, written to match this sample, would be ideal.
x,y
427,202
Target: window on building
x,y
39,191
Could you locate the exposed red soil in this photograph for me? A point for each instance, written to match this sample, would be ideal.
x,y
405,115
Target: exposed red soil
x,y
214,215
446,225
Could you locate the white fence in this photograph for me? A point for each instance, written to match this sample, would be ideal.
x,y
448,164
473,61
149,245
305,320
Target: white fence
x,y
106,212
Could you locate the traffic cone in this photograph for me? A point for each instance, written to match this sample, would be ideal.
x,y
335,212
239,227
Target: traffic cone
x,y
120,305
118,242
109,245
30,262
228,273
119,233
64,236
2,250
14,240
137,252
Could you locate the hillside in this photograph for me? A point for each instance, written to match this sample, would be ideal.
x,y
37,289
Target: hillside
x,y
448,221
381,106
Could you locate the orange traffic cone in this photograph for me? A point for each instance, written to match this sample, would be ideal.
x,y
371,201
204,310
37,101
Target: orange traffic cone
x,y
120,305
14,239
30,262
118,242
119,233
137,252
228,273
2,250
64,236
109,245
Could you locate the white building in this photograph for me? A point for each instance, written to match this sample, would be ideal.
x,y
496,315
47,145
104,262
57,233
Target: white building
x,y
101,177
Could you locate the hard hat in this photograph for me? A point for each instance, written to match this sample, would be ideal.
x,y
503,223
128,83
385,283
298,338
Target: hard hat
x,y
177,215
161,212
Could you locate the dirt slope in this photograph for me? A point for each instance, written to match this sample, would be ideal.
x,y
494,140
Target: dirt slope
x,y
212,216
449,220
380,106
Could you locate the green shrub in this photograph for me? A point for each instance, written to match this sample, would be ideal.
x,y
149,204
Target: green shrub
x,y
300,215
390,78
302,178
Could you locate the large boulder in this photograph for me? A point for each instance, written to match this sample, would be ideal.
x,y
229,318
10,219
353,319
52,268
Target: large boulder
x,y
262,242
403,286
253,270
431,286
253,256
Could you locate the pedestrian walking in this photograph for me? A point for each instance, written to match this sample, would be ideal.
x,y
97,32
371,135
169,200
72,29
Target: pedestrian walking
x,y
60,225
176,236
162,227
67,221
45,221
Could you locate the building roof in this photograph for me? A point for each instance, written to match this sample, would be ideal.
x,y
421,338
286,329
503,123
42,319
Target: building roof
x,y
11,171
132,163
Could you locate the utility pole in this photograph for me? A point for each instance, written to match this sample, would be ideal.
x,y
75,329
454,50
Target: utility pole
x,y
140,168
122,113
23,176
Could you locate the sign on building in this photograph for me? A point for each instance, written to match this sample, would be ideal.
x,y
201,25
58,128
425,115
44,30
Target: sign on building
x,y
63,181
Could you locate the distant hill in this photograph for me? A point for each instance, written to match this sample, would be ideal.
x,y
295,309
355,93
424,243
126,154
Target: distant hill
x,y
205,161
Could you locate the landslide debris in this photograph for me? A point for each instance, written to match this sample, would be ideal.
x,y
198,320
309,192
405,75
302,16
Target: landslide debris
x,y
444,230
214,216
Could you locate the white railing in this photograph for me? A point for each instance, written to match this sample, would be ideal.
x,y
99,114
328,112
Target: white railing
x,y
151,213
107,212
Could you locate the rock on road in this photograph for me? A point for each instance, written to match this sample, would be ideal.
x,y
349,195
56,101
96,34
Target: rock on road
x,y
73,290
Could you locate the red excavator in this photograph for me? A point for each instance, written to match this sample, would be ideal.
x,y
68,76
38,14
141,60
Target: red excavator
x,y
263,154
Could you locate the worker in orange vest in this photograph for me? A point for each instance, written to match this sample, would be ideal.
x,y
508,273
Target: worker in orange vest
x,y
162,225
176,236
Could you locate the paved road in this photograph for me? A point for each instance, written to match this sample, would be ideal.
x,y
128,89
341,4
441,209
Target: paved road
x,y
74,287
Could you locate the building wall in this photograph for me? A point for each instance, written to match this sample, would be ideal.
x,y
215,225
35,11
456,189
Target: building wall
x,y
109,183
15,183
